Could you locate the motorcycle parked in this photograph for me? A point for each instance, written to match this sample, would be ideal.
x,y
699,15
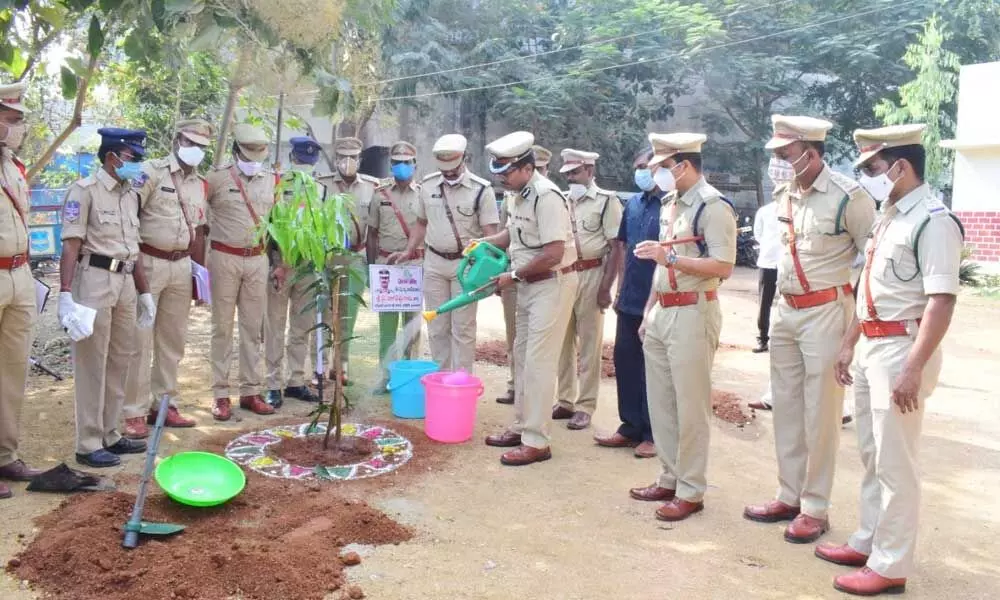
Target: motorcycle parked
x,y
747,247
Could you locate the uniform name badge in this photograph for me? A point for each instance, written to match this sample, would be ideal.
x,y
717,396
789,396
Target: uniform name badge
x,y
396,288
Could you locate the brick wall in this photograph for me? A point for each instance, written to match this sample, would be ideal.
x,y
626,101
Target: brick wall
x,y
982,232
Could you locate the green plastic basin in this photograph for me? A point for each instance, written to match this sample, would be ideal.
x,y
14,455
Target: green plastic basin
x,y
200,478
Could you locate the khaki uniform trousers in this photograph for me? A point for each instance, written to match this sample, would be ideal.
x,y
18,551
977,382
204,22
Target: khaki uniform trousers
x,y
585,333
679,348
154,366
237,283
17,313
452,335
296,297
807,401
889,443
509,299
101,362
543,311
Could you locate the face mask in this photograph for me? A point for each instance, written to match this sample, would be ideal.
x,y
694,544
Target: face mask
x,y
664,179
348,167
780,171
795,163
644,180
128,171
15,135
303,168
249,168
880,186
190,155
453,182
402,171
577,191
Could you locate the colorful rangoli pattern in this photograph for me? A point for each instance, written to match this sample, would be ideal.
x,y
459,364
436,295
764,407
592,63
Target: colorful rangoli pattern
x,y
250,450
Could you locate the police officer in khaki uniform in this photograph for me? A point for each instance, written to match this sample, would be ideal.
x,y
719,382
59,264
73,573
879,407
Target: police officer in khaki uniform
x,y
509,296
454,207
824,219
240,193
539,239
286,293
361,188
906,299
100,271
680,329
17,290
172,232
392,218
596,215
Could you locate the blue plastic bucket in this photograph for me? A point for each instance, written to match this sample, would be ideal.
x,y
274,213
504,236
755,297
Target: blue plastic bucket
x,y
406,389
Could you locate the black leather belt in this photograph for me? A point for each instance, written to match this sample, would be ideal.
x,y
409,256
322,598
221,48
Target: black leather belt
x,y
111,264
446,255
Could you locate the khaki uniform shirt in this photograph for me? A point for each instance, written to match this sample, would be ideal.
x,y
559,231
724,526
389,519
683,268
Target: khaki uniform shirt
x,y
230,221
362,190
168,216
104,214
828,238
13,233
540,216
597,215
717,224
383,218
473,206
901,279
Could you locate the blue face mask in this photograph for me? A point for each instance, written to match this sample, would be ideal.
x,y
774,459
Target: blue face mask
x,y
128,171
402,171
644,179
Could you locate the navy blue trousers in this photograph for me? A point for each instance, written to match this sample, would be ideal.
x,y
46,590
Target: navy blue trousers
x,y
630,377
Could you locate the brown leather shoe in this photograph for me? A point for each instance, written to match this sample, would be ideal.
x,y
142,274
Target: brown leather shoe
x,y
805,529
868,583
135,428
221,410
507,398
652,493
256,405
579,420
645,450
772,512
841,555
507,439
5,491
18,471
615,440
759,405
678,510
561,413
525,455
174,419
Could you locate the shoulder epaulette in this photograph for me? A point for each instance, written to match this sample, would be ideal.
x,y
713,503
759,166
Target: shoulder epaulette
x,y
937,209
845,183
430,176
374,180
478,179
86,182
222,167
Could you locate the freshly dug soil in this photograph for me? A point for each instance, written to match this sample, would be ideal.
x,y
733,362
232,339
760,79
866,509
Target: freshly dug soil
x,y
278,539
309,451
729,407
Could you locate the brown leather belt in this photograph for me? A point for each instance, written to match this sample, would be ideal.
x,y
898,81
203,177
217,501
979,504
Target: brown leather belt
x,y
669,299
418,253
817,298
548,274
880,329
244,252
586,264
115,265
446,255
172,256
9,263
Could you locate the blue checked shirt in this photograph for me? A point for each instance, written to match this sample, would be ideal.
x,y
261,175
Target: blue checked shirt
x,y
640,222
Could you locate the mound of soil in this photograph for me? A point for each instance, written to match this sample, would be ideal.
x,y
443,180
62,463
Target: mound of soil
x,y
730,408
309,451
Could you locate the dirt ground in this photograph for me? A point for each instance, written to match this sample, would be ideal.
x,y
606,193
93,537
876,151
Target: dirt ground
x,y
566,529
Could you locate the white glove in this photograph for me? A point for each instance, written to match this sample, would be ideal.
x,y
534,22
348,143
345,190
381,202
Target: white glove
x,y
147,311
70,318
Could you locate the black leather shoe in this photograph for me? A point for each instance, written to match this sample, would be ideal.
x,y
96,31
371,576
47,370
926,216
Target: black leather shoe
x,y
99,459
302,393
126,446
761,347
273,397
846,420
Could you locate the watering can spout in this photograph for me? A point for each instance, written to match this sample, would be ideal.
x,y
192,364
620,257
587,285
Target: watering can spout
x,y
481,264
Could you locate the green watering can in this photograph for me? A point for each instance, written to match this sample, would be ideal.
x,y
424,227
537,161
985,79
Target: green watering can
x,y
481,264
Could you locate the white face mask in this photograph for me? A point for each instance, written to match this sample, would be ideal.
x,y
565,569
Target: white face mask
x,y
795,164
454,182
347,166
304,168
880,186
15,135
577,191
664,179
780,171
248,168
190,155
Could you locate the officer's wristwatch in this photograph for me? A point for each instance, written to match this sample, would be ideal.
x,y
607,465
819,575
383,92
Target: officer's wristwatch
x,y
514,276
671,258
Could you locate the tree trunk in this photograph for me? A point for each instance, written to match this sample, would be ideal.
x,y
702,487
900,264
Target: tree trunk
x,y
277,132
333,424
227,116
74,123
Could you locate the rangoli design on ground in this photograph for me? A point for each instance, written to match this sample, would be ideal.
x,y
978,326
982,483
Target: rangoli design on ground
x,y
250,450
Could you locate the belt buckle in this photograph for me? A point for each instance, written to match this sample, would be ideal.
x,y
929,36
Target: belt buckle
x,y
19,261
114,264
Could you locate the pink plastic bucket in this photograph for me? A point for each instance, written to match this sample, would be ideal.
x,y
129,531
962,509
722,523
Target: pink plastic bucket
x,y
451,409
